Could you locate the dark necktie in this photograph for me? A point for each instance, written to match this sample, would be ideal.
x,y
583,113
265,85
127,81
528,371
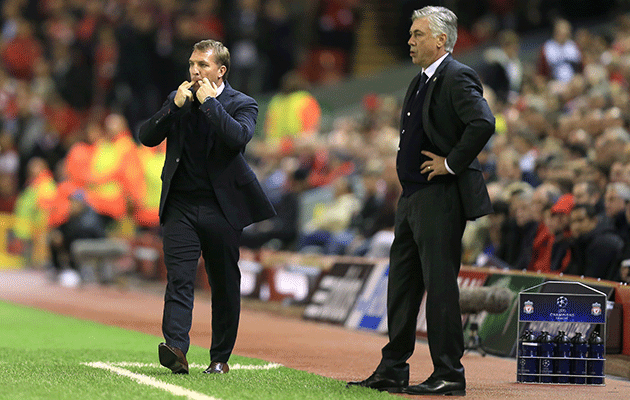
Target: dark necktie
x,y
423,80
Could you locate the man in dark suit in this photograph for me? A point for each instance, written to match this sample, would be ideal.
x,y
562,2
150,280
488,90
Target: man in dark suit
x,y
209,194
445,123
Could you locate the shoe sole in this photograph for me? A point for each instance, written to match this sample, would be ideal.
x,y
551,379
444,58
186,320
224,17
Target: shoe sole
x,y
169,360
451,393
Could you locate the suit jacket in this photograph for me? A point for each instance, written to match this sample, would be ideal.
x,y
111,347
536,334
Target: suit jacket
x,y
457,120
232,118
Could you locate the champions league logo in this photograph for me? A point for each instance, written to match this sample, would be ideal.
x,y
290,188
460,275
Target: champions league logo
x,y
528,307
562,302
596,309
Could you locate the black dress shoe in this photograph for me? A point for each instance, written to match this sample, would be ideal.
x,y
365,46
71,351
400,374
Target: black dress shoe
x,y
381,382
217,368
173,358
438,387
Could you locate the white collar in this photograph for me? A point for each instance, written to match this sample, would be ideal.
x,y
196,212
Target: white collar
x,y
220,88
430,70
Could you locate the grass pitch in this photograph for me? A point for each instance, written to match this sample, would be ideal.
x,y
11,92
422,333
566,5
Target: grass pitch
x,y
48,356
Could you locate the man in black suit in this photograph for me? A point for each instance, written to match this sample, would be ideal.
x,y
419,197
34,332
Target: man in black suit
x,y
209,194
445,123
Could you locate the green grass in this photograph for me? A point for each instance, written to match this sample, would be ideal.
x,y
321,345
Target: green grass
x,y
43,356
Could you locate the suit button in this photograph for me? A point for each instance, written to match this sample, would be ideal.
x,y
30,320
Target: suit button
x,y
403,131
408,113
177,159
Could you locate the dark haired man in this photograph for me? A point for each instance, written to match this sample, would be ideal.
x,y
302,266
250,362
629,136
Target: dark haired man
x,y
209,194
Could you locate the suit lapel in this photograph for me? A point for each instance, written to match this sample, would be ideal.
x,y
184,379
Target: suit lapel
x,y
427,99
225,98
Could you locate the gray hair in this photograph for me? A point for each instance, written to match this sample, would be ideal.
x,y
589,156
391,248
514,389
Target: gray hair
x,y
441,21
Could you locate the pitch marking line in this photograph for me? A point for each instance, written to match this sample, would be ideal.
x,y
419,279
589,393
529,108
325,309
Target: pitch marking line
x,y
149,381
173,389
203,366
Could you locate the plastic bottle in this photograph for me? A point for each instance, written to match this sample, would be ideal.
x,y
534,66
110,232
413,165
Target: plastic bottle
x,y
579,352
546,347
562,364
528,361
595,365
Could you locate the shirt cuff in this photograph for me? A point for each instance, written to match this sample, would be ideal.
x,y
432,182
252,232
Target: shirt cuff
x,y
448,168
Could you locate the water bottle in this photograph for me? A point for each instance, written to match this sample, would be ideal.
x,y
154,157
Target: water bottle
x,y
595,365
579,353
546,347
562,365
527,363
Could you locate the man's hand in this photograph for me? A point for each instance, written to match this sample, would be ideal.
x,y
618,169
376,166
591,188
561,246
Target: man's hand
x,y
434,166
183,93
206,88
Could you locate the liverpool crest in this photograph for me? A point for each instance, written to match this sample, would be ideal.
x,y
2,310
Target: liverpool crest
x,y
596,309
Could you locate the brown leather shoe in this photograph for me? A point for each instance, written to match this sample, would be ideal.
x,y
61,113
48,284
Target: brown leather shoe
x,y
173,358
217,368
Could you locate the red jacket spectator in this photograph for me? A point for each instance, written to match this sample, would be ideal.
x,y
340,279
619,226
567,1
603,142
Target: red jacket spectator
x,y
20,53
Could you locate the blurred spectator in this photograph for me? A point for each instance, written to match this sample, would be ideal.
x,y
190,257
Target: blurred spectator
x,y
616,197
374,225
146,210
72,74
596,251
209,20
280,232
503,70
543,199
624,265
135,89
127,151
326,232
587,192
559,223
336,28
520,228
31,208
292,114
497,222
105,62
9,164
326,166
81,222
281,50
79,158
243,38
21,51
507,168
114,182
49,147
560,58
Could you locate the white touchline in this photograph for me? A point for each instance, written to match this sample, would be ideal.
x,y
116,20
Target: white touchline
x,y
147,380
193,365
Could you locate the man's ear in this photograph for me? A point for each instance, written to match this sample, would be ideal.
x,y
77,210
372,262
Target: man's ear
x,y
441,39
222,71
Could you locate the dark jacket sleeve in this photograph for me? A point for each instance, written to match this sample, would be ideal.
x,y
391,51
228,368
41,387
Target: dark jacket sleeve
x,y
234,130
154,130
475,114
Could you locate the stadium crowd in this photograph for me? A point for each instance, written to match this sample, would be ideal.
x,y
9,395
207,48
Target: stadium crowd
x,y
77,78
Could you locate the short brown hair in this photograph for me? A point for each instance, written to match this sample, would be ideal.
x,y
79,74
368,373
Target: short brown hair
x,y
221,53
